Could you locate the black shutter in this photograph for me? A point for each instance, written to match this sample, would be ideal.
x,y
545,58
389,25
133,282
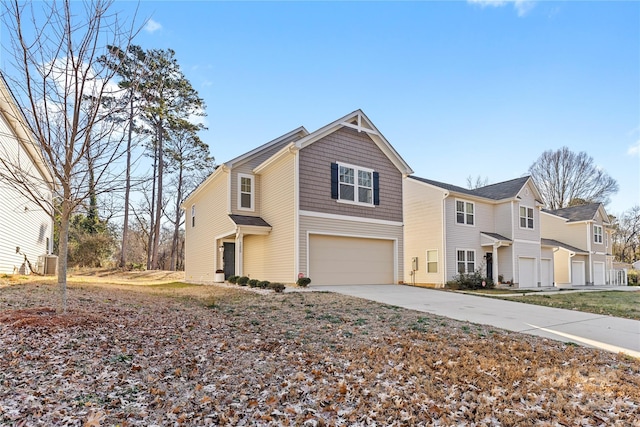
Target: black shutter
x,y
376,188
334,180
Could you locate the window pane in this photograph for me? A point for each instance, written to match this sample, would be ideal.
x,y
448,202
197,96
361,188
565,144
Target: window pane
x,y
460,218
461,267
523,222
245,185
523,211
471,267
530,222
346,175
364,178
459,206
245,200
471,256
470,219
470,208
460,255
364,195
432,261
346,192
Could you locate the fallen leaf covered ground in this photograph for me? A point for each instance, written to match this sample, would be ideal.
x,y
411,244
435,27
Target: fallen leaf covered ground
x,y
207,355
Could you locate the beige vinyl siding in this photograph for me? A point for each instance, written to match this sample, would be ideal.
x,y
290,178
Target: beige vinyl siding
x,y
355,148
23,222
278,209
348,228
460,236
526,200
557,228
246,167
423,230
212,220
503,218
254,256
505,264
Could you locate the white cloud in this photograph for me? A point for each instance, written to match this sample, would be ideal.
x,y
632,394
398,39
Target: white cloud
x,y
152,26
634,149
522,7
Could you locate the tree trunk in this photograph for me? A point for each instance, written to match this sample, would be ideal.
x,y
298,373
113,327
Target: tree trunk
x,y
156,231
63,241
152,204
125,227
176,229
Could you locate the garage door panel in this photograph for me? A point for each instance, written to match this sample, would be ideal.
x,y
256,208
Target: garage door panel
x,y
527,273
598,273
337,260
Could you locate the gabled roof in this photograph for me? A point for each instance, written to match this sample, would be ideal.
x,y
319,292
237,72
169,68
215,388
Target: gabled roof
x,y
496,236
499,191
559,244
359,121
14,116
579,213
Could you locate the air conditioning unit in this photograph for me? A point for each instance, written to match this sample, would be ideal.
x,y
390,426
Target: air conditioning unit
x,y
47,265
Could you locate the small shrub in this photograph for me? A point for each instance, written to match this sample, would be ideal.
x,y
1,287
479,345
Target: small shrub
x,y
277,287
233,279
242,281
253,283
632,277
470,281
264,284
303,282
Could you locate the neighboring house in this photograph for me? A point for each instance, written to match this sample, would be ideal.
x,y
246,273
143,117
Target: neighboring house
x,y
25,227
493,229
326,204
581,237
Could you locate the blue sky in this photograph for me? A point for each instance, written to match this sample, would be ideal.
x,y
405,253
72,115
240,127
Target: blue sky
x,y
458,88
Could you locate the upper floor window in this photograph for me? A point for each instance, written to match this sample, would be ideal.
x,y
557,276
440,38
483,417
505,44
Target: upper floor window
x,y
246,191
193,215
466,261
526,217
465,212
597,233
354,184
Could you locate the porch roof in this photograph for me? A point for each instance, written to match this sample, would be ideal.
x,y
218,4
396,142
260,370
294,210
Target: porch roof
x,y
559,244
489,239
255,221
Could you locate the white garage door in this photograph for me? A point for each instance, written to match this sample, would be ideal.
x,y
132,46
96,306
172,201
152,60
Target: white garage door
x,y
337,260
546,272
598,273
527,273
577,273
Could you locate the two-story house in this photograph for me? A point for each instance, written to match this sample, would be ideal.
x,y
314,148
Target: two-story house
x,y
581,237
326,204
26,227
494,229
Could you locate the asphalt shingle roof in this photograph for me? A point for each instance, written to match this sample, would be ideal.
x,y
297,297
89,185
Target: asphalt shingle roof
x,y
576,213
557,243
249,220
499,191
496,236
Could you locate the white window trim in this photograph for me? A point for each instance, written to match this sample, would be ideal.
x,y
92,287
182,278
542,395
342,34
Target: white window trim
x,y
437,258
466,260
533,217
595,235
455,209
355,185
253,192
193,215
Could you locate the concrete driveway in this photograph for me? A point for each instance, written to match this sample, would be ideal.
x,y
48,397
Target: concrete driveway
x,y
605,332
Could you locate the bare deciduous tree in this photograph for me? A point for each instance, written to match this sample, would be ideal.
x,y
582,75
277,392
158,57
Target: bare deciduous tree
x,y
563,176
478,182
56,77
626,237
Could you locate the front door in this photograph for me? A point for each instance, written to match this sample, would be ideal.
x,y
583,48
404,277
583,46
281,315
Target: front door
x,y
229,259
489,257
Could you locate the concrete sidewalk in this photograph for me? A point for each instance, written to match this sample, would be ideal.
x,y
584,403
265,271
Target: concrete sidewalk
x,y
604,332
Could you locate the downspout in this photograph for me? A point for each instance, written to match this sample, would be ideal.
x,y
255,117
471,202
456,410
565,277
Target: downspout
x,y
444,238
239,263
296,214
571,255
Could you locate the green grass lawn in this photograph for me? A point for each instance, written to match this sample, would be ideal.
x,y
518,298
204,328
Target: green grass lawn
x,y
613,303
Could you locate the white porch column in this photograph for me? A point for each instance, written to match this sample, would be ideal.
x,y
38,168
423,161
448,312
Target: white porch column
x,y
239,251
